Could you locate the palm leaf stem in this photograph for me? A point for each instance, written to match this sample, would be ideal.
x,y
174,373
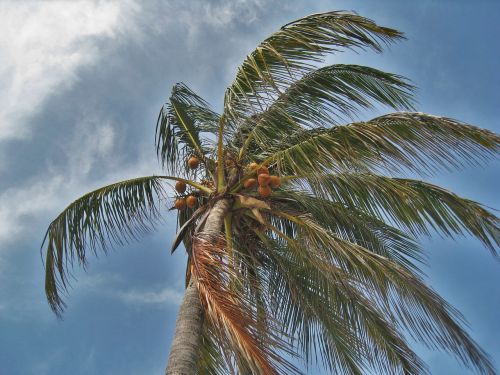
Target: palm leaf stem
x,y
189,182
194,142
245,145
220,156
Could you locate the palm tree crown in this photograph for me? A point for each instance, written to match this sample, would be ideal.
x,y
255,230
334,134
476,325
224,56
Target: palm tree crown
x,y
301,239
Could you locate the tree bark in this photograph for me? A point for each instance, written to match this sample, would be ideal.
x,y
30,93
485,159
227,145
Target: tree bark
x,y
185,347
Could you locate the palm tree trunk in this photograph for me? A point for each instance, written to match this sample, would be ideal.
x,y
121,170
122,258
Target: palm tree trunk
x,y
185,348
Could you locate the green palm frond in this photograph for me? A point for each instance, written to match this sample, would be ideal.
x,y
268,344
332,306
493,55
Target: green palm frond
x,y
413,205
179,129
327,96
331,317
395,142
112,215
211,360
354,225
397,291
315,310
291,52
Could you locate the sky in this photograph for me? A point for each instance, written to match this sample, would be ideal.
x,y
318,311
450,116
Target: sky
x,y
81,84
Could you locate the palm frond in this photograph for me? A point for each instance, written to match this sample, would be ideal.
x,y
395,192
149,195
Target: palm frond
x,y
179,129
313,308
291,52
112,215
413,205
354,225
186,220
399,293
232,315
395,142
331,317
211,360
327,96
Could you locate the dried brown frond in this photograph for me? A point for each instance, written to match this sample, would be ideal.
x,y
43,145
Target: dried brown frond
x,y
231,313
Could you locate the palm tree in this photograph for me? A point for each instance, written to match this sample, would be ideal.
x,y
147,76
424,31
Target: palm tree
x,y
321,261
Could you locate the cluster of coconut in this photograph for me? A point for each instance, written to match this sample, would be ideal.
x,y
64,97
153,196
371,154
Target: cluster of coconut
x,y
265,181
190,201
182,202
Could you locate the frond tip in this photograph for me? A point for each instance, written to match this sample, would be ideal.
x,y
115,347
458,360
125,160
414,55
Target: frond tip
x,y
180,127
414,206
111,215
397,142
328,96
291,52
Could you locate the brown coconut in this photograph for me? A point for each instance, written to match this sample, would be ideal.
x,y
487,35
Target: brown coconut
x,y
275,182
264,191
250,183
263,170
191,201
180,187
180,203
193,162
264,179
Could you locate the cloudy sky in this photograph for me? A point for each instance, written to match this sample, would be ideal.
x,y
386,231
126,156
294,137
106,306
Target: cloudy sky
x,y
81,83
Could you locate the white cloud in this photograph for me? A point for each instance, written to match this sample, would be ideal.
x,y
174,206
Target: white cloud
x,y
16,203
42,44
47,194
162,297
93,144
195,18
102,282
240,11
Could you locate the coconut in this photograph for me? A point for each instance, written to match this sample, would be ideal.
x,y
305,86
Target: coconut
x,y
264,179
193,162
253,165
275,182
264,191
250,183
180,187
263,170
180,203
191,201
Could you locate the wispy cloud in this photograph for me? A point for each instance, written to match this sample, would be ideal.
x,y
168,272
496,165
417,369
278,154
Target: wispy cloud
x,y
147,297
114,286
20,203
42,45
47,194
239,11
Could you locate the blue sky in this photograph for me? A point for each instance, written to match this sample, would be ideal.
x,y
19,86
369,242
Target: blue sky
x,y
81,84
